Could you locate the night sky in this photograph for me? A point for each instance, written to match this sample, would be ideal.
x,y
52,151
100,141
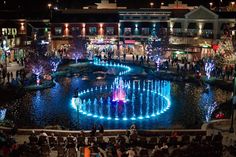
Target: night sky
x,y
42,4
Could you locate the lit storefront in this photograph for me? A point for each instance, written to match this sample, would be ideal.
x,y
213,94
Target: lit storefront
x,y
14,35
95,27
132,47
100,45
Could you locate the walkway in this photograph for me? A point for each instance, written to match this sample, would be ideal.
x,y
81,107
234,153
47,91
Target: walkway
x,y
12,67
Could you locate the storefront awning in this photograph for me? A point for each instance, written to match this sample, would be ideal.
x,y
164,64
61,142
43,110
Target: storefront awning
x,y
177,25
192,25
208,26
130,41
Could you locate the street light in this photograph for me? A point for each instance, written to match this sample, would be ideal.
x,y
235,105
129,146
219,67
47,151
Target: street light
x,y
50,9
49,5
231,130
151,4
211,4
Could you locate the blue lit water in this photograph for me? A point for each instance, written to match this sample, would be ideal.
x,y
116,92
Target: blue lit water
x,y
53,106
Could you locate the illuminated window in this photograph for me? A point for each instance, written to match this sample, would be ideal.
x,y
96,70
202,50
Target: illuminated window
x,y
75,30
127,31
110,31
58,31
92,31
145,31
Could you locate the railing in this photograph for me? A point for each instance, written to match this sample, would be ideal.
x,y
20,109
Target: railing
x,y
147,133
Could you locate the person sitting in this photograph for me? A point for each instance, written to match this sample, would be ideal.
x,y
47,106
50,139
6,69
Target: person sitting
x,y
33,138
52,140
42,138
133,130
143,152
71,141
93,130
131,152
101,129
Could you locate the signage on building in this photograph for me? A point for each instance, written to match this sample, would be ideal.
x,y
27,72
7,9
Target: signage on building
x,y
9,31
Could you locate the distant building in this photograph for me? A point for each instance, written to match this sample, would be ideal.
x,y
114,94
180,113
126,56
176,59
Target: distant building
x,y
20,31
104,5
177,5
107,27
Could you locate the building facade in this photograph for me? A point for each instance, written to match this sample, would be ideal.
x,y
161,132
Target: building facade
x,y
127,31
192,30
18,34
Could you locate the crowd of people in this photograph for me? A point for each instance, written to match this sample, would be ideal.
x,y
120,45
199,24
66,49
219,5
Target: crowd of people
x,y
96,144
183,66
12,76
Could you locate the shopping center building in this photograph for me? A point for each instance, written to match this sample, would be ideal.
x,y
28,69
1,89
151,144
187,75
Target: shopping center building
x,y
188,31
18,32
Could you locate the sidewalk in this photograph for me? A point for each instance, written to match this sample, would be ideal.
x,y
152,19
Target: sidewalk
x,y
13,67
172,69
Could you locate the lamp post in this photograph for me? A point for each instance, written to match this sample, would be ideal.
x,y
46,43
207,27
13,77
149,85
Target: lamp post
x,y
151,4
211,4
50,9
231,130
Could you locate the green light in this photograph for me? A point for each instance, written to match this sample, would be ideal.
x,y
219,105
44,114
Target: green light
x,y
179,52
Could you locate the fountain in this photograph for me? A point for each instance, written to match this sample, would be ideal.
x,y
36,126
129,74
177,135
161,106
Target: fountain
x,y
101,108
141,106
144,100
95,108
109,108
89,107
119,93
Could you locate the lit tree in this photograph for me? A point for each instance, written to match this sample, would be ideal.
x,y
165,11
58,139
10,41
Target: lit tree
x,y
209,67
219,61
37,70
55,61
210,109
225,46
225,49
76,55
157,43
38,65
78,48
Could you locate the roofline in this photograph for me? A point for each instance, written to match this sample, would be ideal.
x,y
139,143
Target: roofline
x,y
204,8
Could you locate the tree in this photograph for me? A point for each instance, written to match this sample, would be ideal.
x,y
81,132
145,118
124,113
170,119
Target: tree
x,y
76,56
38,65
78,48
55,61
157,43
209,67
219,61
225,49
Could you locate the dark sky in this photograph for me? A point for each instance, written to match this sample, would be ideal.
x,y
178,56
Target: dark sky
x,y
42,4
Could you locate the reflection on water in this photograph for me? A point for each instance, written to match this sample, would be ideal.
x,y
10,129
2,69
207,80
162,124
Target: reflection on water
x,y
53,107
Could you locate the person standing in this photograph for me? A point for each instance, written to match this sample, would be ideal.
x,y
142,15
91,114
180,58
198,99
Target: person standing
x,y
11,75
8,77
101,129
4,71
124,56
93,130
131,152
137,57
